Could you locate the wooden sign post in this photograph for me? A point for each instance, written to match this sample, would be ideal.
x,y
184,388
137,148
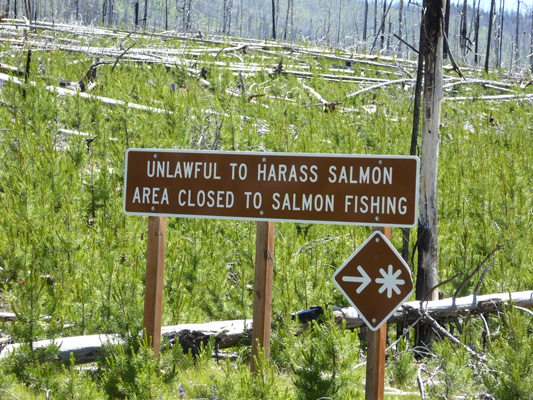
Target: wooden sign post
x,y
375,354
264,273
376,281
155,269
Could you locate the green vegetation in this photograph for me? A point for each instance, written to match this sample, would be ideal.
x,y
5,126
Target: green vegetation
x,y
73,264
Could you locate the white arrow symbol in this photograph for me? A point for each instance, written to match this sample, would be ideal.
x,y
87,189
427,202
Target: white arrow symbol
x,y
364,279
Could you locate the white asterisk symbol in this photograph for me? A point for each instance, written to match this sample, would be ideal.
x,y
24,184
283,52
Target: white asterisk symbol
x,y
389,281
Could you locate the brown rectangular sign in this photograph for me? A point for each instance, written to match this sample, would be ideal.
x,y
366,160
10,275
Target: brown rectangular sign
x,y
317,188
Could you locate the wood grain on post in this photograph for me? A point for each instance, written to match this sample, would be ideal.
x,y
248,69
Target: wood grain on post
x,y
375,354
155,269
264,271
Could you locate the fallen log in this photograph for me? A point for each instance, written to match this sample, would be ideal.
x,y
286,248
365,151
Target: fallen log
x,y
7,316
502,97
441,309
190,337
226,334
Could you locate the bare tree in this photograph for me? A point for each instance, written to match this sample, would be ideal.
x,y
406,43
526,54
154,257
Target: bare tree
x,y
476,34
187,15
462,39
365,20
375,17
489,35
400,26
145,17
500,36
382,26
446,49
27,9
517,45
427,275
6,10
339,23
531,44
228,11
273,18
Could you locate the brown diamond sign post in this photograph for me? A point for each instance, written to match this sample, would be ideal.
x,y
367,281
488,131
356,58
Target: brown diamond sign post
x,y
375,280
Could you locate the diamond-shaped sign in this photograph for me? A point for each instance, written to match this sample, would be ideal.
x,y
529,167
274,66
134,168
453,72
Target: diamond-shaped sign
x,y
375,280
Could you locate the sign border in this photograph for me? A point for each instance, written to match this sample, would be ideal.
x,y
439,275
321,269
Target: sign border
x,y
371,237
275,154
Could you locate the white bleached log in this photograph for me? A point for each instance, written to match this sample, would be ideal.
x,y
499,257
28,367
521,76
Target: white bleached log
x,y
228,333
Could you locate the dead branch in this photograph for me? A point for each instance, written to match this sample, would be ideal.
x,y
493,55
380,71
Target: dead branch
x,y
120,56
420,382
503,97
443,332
380,85
462,285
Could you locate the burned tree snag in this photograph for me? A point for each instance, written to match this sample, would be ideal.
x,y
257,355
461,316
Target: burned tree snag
x,y
489,36
427,276
274,19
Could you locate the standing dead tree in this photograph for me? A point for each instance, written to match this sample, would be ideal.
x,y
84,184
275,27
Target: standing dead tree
x,y
289,20
400,26
531,44
6,10
463,35
228,11
274,19
489,35
145,17
476,34
365,20
517,36
427,275
187,14
500,35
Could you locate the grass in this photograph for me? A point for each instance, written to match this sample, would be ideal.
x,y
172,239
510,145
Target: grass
x,y
73,263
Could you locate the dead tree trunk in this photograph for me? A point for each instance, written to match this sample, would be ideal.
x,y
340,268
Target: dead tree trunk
x,y
497,41
273,19
339,23
225,18
166,15
462,40
531,44
289,20
382,26
187,15
446,48
110,5
427,276
416,122
375,17
489,36
517,45
365,20
400,27
6,10
500,37
145,17
476,35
